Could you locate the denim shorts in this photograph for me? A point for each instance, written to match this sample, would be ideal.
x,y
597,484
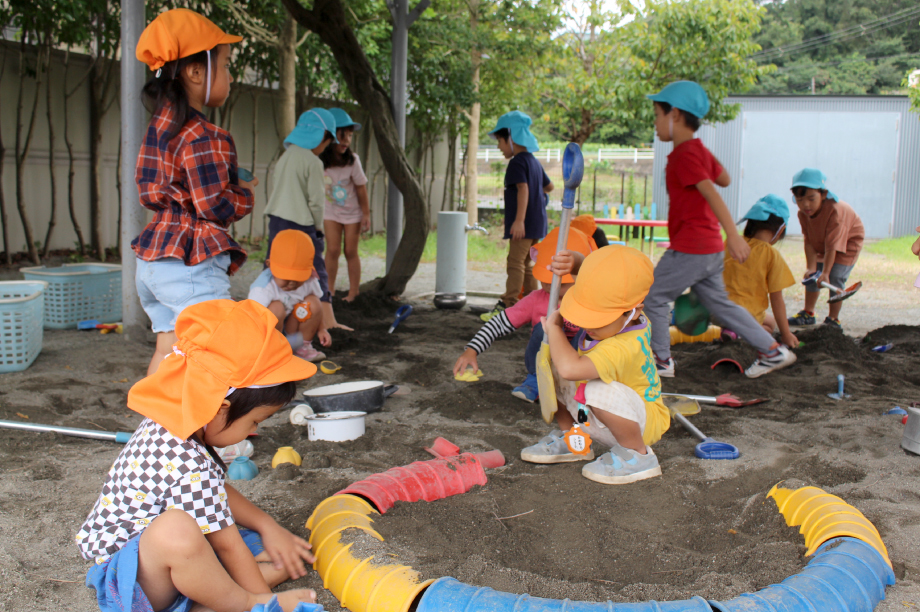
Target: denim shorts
x,y
839,275
167,286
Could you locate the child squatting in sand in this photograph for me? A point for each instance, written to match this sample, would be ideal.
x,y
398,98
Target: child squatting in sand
x,y
167,530
611,377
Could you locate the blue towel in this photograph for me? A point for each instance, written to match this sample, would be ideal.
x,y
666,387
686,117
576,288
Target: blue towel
x,y
115,581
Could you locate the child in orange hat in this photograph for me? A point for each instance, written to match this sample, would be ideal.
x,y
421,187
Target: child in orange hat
x,y
186,174
607,383
529,309
588,226
166,501
290,289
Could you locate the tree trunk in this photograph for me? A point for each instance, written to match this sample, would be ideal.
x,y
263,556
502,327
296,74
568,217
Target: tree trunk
x,y
95,162
24,142
118,190
4,220
81,242
327,19
287,78
52,220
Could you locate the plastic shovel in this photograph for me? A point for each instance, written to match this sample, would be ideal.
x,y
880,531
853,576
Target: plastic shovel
x,y
707,448
112,436
573,168
841,294
726,399
402,313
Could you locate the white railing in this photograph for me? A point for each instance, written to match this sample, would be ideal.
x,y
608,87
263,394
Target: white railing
x,y
544,154
634,154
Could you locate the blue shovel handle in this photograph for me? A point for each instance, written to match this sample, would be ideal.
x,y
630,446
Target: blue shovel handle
x,y
402,313
573,170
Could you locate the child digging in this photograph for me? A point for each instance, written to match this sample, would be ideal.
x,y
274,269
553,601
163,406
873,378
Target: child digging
x,y
833,234
758,283
531,310
696,211
167,531
186,174
611,377
526,186
290,289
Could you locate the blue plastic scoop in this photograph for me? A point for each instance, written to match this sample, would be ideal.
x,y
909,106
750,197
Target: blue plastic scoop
x,y
402,313
707,448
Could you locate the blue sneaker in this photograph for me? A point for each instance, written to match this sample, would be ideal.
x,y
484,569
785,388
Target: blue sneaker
x,y
527,390
621,466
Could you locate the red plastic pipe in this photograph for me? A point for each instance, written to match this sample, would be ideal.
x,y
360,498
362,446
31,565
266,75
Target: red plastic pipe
x,y
427,480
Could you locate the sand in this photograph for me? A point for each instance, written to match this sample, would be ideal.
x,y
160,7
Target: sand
x,y
703,528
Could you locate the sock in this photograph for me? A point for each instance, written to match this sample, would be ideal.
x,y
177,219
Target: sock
x,y
295,340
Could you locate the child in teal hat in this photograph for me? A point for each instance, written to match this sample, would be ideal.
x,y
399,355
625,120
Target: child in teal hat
x,y
696,216
348,211
833,234
758,283
298,199
526,186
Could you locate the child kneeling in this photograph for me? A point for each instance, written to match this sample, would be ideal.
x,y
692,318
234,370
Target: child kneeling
x,y
290,289
611,377
167,530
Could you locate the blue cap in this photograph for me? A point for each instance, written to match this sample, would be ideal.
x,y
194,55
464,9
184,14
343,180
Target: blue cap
x,y
518,124
770,204
343,120
310,129
812,178
685,95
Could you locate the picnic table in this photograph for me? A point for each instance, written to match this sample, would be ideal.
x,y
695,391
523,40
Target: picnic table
x,y
635,223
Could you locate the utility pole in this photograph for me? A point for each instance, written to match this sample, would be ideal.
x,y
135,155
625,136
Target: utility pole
x,y
812,85
133,125
403,18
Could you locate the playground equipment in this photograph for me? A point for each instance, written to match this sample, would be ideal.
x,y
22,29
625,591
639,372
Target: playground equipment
x,y
450,267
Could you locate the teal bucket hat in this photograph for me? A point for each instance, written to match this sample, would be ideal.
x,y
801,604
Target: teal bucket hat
x,y
310,129
685,95
770,204
343,120
518,124
812,178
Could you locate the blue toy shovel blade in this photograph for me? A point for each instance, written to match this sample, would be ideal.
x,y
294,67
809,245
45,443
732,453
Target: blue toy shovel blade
x,y
711,449
402,313
90,324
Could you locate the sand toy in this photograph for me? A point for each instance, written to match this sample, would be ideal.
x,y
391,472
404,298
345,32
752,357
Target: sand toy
x,y
112,436
841,294
402,313
840,394
726,399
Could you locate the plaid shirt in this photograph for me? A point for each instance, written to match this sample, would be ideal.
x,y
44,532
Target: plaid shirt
x,y
190,183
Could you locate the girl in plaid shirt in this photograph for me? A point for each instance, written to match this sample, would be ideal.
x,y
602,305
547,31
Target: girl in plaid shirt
x,y
186,173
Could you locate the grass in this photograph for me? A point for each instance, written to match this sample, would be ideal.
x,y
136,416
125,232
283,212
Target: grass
x,y
480,249
896,249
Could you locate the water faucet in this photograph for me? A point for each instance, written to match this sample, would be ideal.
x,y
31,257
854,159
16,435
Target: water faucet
x,y
477,228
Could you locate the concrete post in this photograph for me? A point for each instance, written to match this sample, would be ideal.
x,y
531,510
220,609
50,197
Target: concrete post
x,y
133,125
450,265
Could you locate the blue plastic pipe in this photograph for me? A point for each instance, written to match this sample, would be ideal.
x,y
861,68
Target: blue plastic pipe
x,y
450,595
845,575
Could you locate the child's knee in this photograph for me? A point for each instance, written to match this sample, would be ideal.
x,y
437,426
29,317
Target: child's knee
x,y
174,533
277,309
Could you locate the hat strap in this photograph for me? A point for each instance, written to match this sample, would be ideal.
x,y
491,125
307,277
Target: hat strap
x,y
207,95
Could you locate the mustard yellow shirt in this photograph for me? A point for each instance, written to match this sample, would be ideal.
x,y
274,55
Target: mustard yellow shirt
x,y
750,284
627,359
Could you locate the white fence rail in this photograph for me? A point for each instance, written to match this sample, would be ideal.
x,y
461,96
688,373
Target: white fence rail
x,y
544,154
619,154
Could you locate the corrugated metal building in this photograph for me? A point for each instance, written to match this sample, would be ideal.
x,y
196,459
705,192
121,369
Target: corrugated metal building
x,y
869,147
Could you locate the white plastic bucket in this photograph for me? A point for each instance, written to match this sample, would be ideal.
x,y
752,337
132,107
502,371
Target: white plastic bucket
x,y
336,426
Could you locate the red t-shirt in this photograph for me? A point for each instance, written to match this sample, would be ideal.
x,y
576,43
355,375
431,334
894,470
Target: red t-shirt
x,y
692,226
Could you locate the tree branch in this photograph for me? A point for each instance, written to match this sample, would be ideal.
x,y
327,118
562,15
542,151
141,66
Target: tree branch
x,y
418,10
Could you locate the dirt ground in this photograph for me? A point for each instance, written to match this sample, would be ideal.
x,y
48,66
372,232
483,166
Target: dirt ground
x,y
703,528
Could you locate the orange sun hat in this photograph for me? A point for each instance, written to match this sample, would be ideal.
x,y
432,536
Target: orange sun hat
x,y
587,226
291,256
179,33
611,281
546,248
221,344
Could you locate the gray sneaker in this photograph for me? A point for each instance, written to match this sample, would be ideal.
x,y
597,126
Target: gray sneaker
x,y
552,449
622,465
770,362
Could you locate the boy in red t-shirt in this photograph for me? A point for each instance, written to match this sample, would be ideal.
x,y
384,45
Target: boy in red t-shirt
x,y
696,211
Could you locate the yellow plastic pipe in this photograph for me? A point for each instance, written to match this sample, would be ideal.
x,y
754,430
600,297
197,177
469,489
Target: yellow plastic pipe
x,y
361,584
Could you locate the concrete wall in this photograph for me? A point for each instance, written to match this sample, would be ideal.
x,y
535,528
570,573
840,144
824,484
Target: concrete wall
x,y
249,116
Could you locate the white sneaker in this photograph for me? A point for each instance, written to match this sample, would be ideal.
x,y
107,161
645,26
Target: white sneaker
x,y
766,363
622,465
665,370
553,449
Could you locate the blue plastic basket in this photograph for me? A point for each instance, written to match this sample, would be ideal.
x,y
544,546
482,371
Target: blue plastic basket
x,y
21,306
77,292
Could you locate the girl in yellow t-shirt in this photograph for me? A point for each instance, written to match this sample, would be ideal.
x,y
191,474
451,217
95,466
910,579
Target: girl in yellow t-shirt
x,y
758,283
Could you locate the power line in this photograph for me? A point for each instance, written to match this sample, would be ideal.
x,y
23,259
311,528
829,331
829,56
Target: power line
x,y
861,29
844,61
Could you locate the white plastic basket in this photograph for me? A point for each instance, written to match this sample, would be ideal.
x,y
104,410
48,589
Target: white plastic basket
x,y
21,308
78,292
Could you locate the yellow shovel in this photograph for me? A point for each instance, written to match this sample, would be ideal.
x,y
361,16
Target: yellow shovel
x,y
573,168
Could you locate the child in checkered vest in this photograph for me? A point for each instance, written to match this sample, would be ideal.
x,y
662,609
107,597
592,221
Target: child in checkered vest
x,y
167,530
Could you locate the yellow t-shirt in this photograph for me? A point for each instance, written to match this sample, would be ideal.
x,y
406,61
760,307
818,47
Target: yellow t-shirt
x,y
750,284
627,359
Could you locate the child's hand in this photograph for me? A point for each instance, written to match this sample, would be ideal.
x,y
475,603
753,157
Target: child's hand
x,y
824,278
290,599
790,340
365,223
287,551
915,247
737,247
554,318
517,230
466,360
250,185
566,262
324,338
